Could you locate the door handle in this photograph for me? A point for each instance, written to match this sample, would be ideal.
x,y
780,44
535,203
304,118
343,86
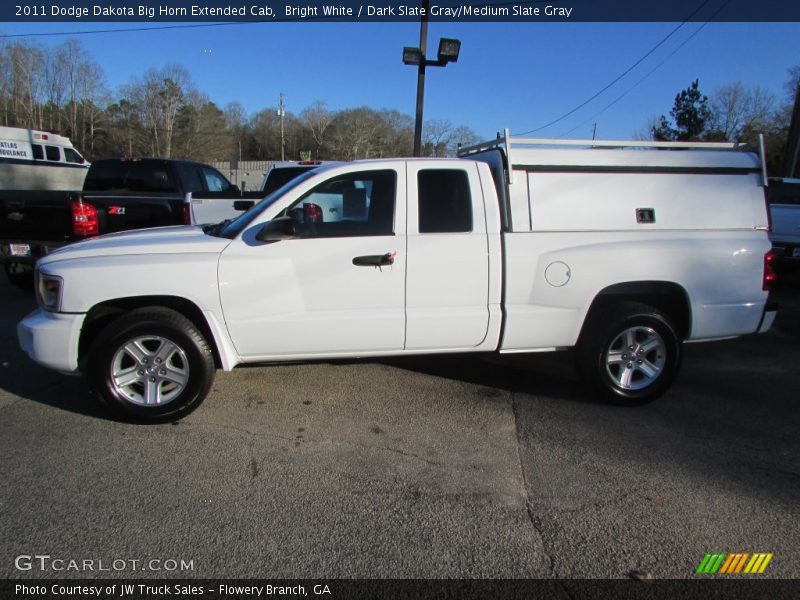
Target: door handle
x,y
375,260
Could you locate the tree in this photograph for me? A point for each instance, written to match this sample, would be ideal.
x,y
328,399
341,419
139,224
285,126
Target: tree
x,y
24,82
199,130
440,138
436,137
236,125
159,96
690,115
736,110
461,136
317,119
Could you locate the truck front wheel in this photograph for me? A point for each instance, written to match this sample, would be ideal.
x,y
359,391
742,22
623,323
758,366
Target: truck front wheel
x,y
630,355
151,364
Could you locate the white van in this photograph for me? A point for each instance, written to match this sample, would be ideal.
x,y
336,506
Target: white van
x,y
39,160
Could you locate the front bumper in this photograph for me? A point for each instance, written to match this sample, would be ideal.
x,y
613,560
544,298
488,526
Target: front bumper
x,y
51,339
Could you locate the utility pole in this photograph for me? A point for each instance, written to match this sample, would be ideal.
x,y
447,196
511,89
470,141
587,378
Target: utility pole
x,y
281,114
594,131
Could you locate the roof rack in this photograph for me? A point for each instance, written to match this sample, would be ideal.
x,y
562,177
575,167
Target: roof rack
x,y
531,149
508,142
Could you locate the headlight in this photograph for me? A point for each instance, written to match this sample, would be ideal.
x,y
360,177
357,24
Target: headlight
x,y
48,291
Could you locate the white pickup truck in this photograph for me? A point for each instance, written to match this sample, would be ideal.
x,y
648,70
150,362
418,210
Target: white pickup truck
x,y
623,250
784,206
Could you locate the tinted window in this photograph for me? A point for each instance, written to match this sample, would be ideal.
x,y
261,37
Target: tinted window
x,y
356,204
445,204
52,152
191,178
134,176
38,152
278,177
73,157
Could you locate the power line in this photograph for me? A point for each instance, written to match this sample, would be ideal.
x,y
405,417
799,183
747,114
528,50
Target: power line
x,y
623,74
653,70
635,85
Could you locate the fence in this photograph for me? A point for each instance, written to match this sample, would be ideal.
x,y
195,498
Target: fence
x,y
249,173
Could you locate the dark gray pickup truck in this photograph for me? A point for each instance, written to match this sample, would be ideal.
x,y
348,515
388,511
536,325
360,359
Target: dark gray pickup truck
x,y
117,195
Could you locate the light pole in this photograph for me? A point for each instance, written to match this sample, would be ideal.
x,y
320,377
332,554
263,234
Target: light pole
x,y
448,52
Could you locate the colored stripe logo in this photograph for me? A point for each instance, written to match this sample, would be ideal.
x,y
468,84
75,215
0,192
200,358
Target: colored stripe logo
x,y
734,564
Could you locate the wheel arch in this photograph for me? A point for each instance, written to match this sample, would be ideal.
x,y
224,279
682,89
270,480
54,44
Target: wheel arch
x,y
100,315
669,297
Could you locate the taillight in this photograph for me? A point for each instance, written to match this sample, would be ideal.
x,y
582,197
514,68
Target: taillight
x,y
84,219
313,213
769,270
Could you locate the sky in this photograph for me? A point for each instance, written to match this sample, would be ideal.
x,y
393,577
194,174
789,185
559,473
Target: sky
x,y
520,76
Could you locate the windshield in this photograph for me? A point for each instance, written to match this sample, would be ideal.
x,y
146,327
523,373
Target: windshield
x,y
233,228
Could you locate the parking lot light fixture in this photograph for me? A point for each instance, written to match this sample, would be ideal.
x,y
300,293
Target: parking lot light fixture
x,y
412,56
448,50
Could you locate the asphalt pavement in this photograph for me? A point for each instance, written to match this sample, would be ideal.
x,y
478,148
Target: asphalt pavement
x,y
431,467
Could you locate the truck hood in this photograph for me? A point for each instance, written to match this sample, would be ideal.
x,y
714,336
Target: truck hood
x,y
179,239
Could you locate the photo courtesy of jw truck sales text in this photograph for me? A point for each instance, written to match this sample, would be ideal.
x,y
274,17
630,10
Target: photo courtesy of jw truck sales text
x,y
144,590
496,251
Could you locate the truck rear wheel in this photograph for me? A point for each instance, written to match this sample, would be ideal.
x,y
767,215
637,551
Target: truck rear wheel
x,y
630,355
151,364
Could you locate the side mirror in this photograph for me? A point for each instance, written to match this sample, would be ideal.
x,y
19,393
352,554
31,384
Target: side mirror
x,y
234,189
280,228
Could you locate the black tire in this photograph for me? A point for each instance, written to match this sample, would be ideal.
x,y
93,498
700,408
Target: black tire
x,y
164,366
20,275
629,354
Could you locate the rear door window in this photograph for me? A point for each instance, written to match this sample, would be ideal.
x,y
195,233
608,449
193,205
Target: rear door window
x,y
445,203
191,178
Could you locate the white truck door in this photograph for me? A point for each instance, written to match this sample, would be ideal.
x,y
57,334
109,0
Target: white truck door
x,y
447,283
338,287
